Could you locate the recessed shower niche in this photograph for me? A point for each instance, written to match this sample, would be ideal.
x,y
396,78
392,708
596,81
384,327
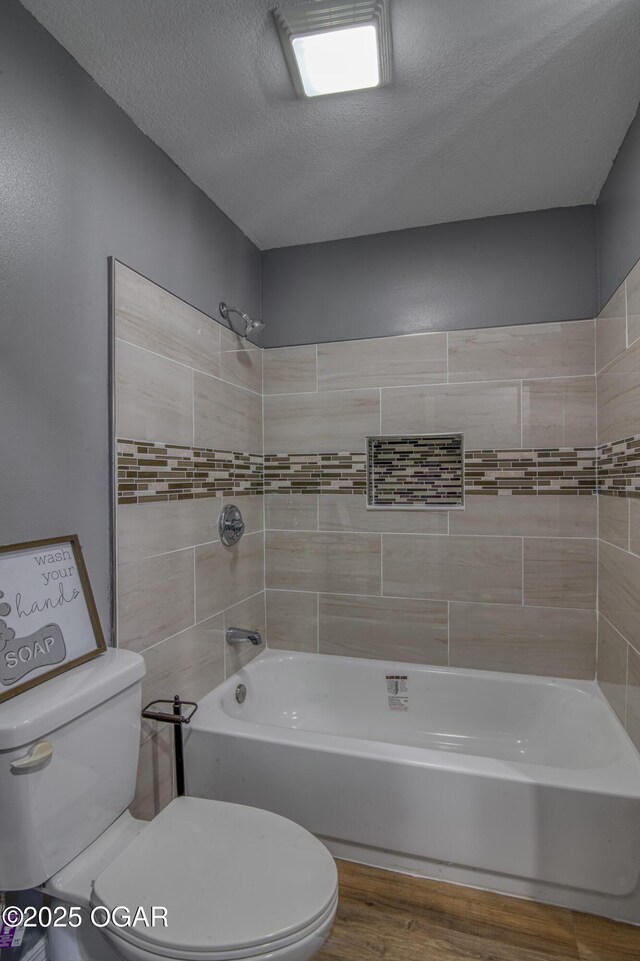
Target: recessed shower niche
x,y
415,472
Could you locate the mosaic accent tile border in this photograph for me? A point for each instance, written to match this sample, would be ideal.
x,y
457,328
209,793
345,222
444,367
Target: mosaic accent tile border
x,y
415,471
561,470
619,468
152,472
551,471
315,473
248,474
163,472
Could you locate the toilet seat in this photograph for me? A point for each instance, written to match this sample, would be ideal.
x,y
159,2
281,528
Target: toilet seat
x,y
237,882
283,950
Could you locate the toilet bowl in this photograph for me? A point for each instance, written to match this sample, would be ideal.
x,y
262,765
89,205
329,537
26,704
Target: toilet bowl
x,y
227,881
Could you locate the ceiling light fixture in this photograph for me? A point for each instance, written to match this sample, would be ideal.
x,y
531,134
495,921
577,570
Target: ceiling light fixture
x,y
336,45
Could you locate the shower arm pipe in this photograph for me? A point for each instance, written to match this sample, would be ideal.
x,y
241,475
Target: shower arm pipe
x,y
226,309
249,323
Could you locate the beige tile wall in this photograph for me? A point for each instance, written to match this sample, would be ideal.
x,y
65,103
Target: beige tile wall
x,y
559,412
510,582
325,421
618,395
154,396
384,362
632,287
181,378
527,640
490,414
411,630
523,352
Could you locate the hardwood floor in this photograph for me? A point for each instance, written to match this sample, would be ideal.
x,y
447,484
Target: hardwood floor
x,y
399,918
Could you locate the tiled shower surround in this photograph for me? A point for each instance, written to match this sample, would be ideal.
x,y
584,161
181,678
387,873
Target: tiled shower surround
x,y
509,583
184,429
618,389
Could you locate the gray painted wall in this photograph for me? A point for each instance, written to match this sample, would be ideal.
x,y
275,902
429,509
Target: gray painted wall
x,y
618,216
516,269
80,182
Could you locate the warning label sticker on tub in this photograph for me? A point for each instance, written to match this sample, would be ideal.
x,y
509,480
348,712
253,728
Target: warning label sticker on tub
x,y
10,935
397,692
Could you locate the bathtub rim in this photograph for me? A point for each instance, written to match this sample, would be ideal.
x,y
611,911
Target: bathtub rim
x,y
620,778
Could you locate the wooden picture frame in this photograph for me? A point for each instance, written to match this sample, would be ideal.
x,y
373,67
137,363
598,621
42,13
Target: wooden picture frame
x,y
48,617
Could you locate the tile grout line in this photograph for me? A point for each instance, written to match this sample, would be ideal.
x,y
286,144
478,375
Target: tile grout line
x,y
620,634
446,348
626,685
521,415
418,385
327,530
193,411
194,370
264,617
626,315
224,652
430,599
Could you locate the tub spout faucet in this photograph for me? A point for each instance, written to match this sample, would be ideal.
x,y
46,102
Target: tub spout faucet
x,y
238,635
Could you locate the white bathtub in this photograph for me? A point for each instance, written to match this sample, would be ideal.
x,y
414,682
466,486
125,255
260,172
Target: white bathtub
x,y
524,785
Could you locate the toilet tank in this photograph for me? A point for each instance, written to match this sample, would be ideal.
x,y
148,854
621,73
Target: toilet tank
x,y
52,811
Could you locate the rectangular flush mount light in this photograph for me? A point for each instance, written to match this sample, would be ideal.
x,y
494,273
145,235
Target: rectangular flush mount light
x,y
336,45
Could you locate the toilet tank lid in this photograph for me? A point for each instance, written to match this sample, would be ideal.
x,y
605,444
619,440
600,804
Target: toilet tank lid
x,y
35,713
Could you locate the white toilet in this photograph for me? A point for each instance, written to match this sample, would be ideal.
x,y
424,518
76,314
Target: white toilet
x,y
236,882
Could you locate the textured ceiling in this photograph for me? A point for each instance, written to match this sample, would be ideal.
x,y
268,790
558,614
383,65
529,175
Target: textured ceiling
x,y
497,106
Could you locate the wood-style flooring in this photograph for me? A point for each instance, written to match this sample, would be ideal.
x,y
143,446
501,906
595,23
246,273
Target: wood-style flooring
x,y
400,918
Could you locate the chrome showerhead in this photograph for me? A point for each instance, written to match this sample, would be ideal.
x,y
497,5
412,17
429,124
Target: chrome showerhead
x,y
251,324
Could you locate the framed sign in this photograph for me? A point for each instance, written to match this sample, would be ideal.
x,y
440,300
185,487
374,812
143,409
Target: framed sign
x,y
48,617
